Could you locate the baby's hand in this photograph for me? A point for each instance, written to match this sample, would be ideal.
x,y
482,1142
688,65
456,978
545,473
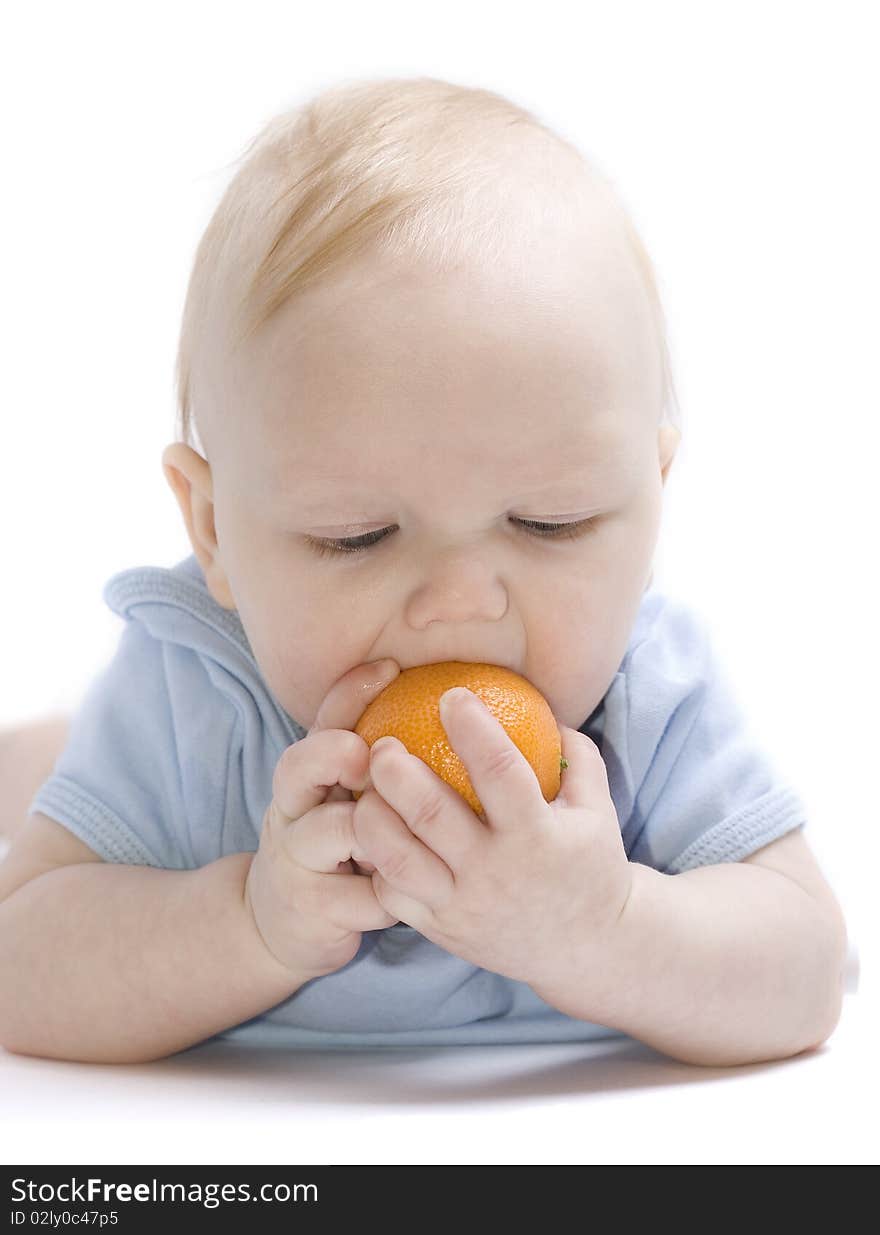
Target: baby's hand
x,y
308,903
510,891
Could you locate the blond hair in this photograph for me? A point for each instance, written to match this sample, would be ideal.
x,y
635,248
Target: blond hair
x,y
407,166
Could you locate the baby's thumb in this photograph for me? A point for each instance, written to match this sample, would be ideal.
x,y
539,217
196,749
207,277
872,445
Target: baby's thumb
x,y
347,698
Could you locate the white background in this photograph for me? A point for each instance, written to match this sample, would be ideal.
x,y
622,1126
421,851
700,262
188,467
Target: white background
x,y
743,139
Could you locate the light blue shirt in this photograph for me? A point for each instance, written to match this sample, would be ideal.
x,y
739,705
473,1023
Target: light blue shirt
x,y
170,758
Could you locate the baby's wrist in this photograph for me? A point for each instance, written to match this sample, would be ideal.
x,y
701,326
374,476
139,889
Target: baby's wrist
x,y
596,978
301,960
289,971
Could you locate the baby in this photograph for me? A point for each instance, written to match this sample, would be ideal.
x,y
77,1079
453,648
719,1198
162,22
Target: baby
x,y
425,416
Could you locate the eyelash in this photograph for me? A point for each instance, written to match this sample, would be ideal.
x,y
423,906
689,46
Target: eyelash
x,y
546,531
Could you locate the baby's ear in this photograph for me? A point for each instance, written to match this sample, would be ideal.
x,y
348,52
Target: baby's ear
x,y
189,477
668,438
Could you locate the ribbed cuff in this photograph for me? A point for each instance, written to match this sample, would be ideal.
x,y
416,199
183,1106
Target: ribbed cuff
x,y
94,823
761,822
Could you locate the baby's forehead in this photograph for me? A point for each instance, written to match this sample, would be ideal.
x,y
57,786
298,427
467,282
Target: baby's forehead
x,y
394,347
543,324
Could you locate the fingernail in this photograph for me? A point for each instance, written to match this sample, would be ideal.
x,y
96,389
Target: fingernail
x,y
384,666
386,742
384,671
453,698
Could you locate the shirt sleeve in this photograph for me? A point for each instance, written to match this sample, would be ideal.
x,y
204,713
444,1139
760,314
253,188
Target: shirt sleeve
x,y
146,734
697,787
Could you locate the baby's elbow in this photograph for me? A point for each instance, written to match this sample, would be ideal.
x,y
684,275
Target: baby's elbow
x,y
117,1054
835,937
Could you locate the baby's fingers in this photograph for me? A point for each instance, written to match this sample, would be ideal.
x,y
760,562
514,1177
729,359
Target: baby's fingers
x,y
346,700
322,839
348,901
310,767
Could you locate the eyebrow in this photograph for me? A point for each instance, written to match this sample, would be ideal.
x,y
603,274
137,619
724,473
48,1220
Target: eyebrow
x,y
325,492
359,501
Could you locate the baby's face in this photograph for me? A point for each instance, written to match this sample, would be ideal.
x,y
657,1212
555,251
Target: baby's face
x,y
437,417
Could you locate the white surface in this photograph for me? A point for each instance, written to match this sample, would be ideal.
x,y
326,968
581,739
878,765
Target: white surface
x,y
617,1102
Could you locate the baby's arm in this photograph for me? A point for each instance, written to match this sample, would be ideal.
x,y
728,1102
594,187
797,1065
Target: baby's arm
x,y
111,963
120,964
27,755
729,964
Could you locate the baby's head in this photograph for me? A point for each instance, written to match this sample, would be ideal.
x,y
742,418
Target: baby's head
x,y
419,328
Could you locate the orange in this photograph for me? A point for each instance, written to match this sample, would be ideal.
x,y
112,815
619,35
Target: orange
x,y
408,710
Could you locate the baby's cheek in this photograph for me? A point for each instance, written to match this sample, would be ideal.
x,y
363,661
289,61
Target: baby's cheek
x,y
301,700
288,672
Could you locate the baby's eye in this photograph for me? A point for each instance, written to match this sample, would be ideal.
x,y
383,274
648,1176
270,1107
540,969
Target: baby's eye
x,y
356,544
